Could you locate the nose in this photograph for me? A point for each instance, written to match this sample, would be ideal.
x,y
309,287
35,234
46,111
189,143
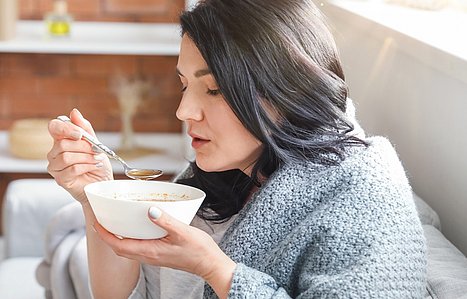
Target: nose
x,y
189,108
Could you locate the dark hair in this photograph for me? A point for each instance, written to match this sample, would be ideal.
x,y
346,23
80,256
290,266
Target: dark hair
x,y
277,66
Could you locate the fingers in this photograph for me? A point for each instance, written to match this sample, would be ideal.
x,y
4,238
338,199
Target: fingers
x,y
68,149
71,130
59,130
67,145
103,233
78,119
122,247
67,176
67,159
71,172
167,222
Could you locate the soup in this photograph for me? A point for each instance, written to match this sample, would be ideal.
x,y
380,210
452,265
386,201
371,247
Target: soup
x,y
160,197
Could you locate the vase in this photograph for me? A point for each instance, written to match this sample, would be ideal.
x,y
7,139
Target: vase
x,y
128,136
8,18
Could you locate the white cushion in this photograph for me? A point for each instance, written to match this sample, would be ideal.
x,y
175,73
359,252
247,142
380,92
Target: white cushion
x,y
18,280
28,206
78,268
447,267
426,214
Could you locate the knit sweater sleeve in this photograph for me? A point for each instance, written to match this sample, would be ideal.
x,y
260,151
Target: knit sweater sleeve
x,y
371,256
250,283
365,242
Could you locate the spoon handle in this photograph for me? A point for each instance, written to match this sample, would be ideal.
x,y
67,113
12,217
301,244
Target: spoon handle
x,y
91,139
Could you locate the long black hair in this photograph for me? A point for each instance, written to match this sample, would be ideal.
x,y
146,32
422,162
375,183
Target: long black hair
x,y
277,66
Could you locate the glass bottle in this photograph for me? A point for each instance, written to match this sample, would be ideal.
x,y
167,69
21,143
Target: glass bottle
x,y
58,21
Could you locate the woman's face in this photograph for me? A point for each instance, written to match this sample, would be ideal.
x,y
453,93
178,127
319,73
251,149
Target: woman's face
x,y
219,139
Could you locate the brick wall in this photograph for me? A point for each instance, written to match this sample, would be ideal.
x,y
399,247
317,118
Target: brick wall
x,y
108,10
47,85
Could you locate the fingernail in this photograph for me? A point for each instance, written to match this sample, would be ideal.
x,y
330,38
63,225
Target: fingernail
x,y
99,165
155,212
99,157
79,113
93,228
96,149
76,135
119,237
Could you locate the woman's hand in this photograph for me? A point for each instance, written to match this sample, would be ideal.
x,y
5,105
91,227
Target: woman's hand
x,y
184,248
72,162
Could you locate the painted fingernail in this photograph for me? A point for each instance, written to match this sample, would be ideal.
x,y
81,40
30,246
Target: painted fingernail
x,y
99,157
155,212
99,165
79,113
76,135
96,149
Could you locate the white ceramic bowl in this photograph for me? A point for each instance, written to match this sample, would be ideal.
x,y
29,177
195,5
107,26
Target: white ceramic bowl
x,y
121,206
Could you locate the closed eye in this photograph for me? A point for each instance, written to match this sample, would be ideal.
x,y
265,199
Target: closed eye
x,y
213,92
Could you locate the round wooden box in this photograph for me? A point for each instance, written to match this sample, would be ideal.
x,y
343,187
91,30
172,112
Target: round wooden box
x,y
30,139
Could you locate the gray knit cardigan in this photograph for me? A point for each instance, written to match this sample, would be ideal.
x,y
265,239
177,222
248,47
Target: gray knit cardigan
x,y
346,231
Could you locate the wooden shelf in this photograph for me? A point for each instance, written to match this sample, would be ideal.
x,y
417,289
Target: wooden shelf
x,y
169,157
110,38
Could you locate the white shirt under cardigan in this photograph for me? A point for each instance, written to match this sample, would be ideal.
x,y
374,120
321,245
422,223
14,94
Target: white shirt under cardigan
x,y
167,283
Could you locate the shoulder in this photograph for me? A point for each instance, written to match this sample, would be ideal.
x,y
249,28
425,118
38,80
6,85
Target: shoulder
x,y
370,187
370,178
367,196
377,167
362,165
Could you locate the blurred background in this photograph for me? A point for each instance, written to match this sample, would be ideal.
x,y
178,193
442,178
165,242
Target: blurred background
x,y
405,63
47,84
114,60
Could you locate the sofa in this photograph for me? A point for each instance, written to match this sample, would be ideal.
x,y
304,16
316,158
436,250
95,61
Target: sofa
x,y
28,206
45,247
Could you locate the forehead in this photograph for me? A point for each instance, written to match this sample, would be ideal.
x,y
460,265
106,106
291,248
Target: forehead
x,y
189,56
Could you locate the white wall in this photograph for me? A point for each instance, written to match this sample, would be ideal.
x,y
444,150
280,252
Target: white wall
x,y
416,97
190,3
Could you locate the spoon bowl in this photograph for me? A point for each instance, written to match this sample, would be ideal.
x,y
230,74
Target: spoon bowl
x,y
132,173
140,173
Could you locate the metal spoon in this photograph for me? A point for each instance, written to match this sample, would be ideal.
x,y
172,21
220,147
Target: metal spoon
x,y
133,173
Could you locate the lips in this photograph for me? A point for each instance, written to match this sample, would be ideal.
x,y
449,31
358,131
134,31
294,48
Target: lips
x,y
197,141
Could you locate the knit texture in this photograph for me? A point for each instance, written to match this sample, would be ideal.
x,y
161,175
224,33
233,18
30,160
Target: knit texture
x,y
346,231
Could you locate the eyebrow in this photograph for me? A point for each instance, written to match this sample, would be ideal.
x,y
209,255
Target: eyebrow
x,y
198,73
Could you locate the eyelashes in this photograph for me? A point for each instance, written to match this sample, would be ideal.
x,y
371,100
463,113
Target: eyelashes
x,y
211,92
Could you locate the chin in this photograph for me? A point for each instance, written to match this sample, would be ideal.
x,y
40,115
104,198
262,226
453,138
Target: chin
x,y
209,167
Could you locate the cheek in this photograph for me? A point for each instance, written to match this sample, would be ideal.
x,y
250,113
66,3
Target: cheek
x,y
243,147
233,146
237,146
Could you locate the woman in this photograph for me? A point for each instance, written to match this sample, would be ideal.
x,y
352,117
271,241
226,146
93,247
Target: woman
x,y
297,205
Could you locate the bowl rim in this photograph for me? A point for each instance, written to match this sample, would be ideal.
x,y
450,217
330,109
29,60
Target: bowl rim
x,y
158,182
